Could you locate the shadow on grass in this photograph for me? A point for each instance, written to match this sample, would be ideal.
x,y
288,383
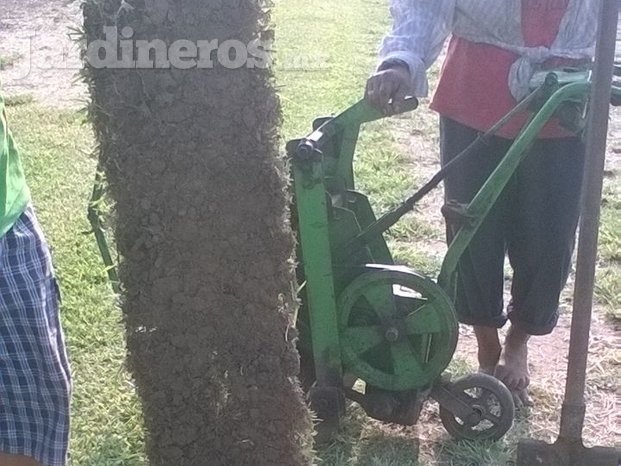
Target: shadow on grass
x,y
471,453
361,443
388,450
448,451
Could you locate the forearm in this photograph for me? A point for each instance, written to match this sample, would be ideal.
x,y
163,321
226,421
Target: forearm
x,y
419,30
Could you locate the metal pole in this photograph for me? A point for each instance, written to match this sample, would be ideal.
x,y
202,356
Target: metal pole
x,y
573,407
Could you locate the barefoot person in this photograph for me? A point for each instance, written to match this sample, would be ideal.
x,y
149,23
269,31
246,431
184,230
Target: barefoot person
x,y
495,48
34,373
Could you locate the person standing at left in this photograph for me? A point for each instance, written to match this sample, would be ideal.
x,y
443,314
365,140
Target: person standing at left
x,y
35,381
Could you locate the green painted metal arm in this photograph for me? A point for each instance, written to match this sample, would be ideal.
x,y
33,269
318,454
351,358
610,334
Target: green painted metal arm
x,y
334,140
550,84
315,248
482,203
356,115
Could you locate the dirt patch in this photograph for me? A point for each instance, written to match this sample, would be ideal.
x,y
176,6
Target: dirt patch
x,y
38,54
192,162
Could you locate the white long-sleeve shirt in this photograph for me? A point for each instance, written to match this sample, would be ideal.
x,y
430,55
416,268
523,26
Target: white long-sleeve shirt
x,y
421,27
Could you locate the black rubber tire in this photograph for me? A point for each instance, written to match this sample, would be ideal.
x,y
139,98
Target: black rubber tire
x,y
499,423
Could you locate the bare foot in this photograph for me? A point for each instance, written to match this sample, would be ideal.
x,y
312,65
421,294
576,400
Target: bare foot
x,y
521,398
512,368
488,348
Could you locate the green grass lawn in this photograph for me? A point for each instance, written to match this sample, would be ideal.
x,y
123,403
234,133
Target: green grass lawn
x,y
57,145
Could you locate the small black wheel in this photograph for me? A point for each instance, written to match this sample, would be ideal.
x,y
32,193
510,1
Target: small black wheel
x,y
491,401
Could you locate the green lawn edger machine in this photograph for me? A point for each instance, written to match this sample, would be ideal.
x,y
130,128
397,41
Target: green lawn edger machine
x,y
363,317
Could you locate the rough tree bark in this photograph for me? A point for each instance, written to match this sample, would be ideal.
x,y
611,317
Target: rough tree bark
x,y
191,159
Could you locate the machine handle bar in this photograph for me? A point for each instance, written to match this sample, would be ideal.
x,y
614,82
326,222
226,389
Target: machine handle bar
x,y
356,115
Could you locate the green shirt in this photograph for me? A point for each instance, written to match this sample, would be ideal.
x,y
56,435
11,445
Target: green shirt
x,y
14,193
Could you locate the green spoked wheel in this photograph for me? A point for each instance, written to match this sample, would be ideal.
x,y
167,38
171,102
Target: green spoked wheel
x,y
398,329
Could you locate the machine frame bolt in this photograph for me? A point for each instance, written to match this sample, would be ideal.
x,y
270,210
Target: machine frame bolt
x,y
392,334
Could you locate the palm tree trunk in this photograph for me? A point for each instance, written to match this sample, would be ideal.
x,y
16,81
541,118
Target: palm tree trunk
x,y
191,160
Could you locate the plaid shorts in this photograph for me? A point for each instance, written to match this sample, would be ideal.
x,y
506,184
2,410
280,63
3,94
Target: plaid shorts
x,y
35,382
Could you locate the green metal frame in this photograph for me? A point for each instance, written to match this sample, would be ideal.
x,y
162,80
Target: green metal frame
x,y
339,234
487,196
315,176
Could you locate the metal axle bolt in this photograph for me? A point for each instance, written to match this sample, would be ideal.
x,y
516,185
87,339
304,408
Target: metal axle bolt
x,y
392,334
